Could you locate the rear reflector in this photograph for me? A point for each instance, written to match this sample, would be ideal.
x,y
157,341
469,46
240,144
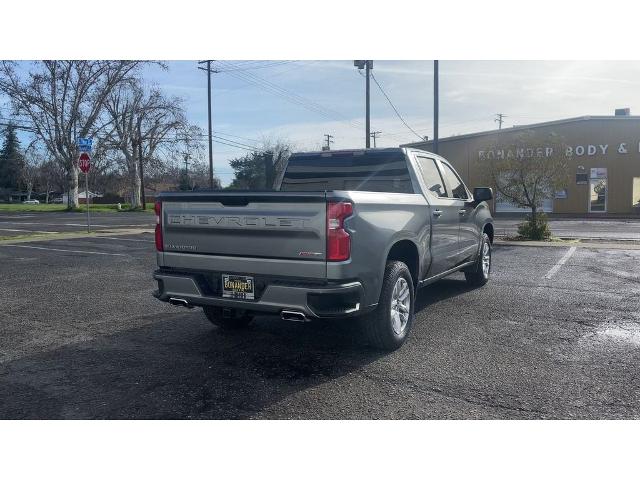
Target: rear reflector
x,y
338,239
159,242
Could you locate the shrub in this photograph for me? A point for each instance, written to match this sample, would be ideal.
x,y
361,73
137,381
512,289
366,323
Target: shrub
x,y
535,228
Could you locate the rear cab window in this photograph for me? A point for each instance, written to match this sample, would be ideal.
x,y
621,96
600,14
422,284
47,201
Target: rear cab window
x,y
369,171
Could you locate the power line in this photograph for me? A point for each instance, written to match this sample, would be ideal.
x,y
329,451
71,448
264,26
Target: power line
x,y
292,97
394,107
267,65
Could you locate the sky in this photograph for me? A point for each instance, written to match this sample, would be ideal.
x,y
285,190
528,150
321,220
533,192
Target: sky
x,y
301,101
304,100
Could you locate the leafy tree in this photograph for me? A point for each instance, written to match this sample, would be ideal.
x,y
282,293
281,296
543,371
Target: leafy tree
x,y
11,159
249,172
527,170
258,170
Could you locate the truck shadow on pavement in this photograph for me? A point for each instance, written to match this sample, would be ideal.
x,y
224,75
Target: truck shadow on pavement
x,y
180,366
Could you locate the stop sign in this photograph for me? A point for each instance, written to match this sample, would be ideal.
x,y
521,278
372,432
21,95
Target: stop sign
x,y
84,162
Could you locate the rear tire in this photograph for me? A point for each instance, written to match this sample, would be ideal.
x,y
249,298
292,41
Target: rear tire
x,y
388,326
481,271
235,321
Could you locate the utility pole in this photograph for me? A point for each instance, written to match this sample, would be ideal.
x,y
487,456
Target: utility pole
x,y
186,163
142,194
500,118
327,138
375,135
367,65
209,72
435,106
269,171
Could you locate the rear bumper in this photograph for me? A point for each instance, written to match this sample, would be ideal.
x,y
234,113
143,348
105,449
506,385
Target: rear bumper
x,y
317,301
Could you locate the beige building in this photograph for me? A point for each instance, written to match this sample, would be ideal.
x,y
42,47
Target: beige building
x,y
602,152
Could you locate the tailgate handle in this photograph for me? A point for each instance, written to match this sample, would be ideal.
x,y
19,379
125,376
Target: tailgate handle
x,y
233,201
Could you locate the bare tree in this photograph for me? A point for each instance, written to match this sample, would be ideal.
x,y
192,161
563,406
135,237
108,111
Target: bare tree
x,y
30,170
144,122
526,169
64,100
51,178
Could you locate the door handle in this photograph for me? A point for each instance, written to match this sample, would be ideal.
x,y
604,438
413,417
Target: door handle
x,y
437,213
462,211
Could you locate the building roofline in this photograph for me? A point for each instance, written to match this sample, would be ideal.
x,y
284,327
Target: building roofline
x,y
525,127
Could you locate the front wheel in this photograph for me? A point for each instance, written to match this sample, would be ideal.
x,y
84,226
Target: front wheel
x,y
479,276
388,326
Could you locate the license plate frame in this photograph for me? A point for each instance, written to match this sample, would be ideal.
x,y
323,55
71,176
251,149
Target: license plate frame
x,y
239,287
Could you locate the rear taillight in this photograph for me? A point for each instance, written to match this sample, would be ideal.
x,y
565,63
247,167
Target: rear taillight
x,y
159,242
338,239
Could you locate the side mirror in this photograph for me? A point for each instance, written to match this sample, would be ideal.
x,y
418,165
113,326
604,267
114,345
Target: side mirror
x,y
482,194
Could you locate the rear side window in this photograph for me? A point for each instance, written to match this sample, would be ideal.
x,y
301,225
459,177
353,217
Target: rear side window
x,y
431,176
372,171
457,187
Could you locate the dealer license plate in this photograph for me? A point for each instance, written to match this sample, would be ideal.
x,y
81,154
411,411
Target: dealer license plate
x,y
237,286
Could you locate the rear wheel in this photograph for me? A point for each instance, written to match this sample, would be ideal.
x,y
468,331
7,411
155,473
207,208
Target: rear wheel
x,y
479,275
230,319
388,326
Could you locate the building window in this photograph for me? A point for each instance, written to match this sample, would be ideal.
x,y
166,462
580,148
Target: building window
x,y
636,192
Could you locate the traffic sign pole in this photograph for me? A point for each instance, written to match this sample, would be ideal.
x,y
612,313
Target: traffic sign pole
x,y
84,162
86,199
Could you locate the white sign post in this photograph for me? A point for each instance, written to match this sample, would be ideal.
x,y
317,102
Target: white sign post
x,y
84,162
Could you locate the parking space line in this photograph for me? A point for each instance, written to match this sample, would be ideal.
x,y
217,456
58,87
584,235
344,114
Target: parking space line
x,y
128,239
64,250
23,230
561,262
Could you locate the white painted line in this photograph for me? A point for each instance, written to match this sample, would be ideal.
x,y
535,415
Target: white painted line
x,y
23,230
127,239
63,250
561,262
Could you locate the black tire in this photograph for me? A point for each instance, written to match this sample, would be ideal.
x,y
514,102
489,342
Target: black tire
x,y
478,276
235,321
379,324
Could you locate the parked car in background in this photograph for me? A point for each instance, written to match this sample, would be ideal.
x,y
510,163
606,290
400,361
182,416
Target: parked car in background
x,y
348,233
31,202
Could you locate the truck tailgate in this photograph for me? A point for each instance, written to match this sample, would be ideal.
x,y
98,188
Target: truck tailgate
x,y
271,225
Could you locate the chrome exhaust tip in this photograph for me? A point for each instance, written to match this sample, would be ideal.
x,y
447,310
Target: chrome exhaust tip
x,y
179,302
293,316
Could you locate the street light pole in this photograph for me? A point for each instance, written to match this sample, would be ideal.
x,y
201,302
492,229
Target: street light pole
x,y
435,106
369,64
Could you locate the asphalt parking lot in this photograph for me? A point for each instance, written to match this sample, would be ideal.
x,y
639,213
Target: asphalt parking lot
x,y
13,224
82,337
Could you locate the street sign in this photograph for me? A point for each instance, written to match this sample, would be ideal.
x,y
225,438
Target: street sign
x,y
84,162
85,144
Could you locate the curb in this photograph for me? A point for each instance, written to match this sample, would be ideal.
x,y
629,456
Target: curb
x,y
73,235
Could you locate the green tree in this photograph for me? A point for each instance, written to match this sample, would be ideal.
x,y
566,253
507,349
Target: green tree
x,y
258,170
11,159
249,172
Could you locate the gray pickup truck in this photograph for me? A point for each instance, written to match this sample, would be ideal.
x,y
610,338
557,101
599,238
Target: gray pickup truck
x,y
345,233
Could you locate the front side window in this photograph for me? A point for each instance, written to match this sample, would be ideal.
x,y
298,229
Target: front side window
x,y
457,187
431,176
